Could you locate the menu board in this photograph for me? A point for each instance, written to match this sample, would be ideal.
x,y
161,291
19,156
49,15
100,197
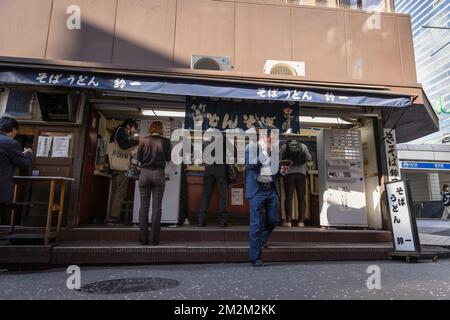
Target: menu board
x,y
61,147
44,147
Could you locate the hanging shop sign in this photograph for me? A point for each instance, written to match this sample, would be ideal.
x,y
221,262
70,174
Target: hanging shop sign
x,y
203,113
390,142
199,88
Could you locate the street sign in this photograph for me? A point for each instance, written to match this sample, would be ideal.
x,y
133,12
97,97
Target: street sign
x,y
403,222
411,165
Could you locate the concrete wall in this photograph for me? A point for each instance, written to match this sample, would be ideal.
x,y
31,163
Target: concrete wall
x,y
336,44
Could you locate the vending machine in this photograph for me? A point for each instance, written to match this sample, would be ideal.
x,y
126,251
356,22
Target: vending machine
x,y
341,178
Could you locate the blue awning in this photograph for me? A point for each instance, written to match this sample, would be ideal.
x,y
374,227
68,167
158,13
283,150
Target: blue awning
x,y
202,88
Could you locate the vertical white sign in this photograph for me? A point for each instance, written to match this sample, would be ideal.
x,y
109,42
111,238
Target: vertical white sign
x,y
390,142
44,147
400,217
237,197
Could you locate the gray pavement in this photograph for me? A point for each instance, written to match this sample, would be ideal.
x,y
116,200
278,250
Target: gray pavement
x,y
299,281
434,232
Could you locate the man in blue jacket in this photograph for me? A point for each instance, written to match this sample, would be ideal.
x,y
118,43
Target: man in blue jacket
x,y
11,156
262,191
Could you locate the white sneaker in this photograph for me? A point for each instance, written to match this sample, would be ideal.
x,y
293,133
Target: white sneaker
x,y
287,224
301,225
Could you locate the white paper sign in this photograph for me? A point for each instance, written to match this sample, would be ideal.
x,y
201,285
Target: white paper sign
x,y
60,147
400,217
44,147
390,143
237,197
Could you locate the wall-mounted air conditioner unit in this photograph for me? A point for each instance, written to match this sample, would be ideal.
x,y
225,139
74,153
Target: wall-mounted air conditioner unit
x,y
200,62
287,68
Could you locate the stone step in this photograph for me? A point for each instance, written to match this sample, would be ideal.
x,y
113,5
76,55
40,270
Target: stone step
x,y
130,252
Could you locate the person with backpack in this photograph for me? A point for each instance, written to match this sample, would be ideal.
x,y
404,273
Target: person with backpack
x,y
445,201
295,179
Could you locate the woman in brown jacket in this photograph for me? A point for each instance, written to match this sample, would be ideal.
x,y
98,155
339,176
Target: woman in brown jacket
x,y
153,153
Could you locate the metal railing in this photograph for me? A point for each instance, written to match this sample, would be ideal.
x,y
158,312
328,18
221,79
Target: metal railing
x,y
363,5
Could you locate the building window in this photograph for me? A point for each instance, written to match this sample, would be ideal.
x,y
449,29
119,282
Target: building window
x,y
18,103
367,5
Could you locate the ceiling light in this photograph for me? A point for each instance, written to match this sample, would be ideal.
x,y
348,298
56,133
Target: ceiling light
x,y
323,120
163,113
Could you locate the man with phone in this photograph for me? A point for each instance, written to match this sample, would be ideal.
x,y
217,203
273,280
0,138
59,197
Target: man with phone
x,y
11,155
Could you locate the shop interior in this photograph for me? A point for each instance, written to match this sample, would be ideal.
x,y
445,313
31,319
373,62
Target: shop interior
x,y
344,169
342,188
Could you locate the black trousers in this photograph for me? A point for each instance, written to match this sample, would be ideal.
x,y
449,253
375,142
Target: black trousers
x,y
208,187
151,184
295,182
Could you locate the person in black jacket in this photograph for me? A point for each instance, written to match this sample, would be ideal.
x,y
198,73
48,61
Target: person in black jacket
x,y
119,154
11,156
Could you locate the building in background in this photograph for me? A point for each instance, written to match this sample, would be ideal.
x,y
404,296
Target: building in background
x,y
431,34
427,167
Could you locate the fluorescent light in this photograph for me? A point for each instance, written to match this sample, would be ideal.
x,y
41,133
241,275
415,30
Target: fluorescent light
x,y
163,113
323,120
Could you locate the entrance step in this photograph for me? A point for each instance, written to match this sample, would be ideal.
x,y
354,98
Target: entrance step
x,y
280,234
87,253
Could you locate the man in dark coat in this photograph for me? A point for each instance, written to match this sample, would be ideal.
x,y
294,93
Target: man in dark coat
x,y
11,156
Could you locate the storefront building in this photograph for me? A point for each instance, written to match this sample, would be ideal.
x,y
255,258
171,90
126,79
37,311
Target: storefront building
x,y
323,71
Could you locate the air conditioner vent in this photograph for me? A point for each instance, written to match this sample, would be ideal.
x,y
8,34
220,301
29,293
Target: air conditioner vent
x,y
286,68
199,62
207,64
283,69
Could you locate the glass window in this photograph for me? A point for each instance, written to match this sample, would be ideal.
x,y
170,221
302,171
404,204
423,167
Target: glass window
x,y
20,103
367,5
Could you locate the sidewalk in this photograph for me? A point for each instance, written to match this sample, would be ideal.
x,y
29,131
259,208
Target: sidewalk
x,y
434,232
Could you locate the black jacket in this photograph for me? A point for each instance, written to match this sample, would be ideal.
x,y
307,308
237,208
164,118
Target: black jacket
x,y
154,152
122,138
11,155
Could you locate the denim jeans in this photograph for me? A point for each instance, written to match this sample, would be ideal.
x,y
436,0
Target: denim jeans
x,y
222,187
260,228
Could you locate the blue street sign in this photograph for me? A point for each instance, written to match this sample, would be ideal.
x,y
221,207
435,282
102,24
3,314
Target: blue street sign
x,y
440,166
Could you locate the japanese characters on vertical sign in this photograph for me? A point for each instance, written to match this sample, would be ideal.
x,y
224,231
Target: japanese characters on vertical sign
x,y
390,142
405,235
227,114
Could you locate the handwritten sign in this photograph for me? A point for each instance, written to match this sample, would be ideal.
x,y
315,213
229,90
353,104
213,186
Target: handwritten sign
x,y
403,224
390,142
222,115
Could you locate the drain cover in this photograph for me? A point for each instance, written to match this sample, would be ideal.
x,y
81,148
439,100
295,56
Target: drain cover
x,y
131,285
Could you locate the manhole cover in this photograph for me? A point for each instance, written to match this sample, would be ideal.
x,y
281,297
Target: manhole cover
x,y
121,286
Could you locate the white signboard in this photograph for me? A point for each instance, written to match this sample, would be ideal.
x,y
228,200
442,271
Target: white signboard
x,y
401,220
44,147
60,147
237,197
390,143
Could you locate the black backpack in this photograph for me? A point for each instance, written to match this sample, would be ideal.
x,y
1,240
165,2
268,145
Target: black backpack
x,y
295,152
